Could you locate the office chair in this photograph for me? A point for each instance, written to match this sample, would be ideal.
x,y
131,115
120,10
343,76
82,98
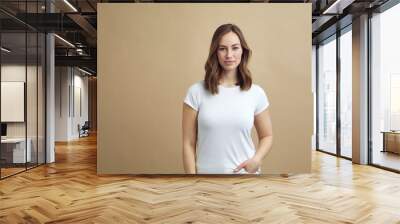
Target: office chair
x,y
84,130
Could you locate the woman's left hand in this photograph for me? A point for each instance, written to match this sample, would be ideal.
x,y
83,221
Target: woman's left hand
x,y
250,165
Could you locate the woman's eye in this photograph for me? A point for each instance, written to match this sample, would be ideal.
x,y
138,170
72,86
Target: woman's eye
x,y
235,48
221,49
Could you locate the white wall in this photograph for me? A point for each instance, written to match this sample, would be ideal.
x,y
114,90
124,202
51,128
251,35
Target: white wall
x,y
12,73
70,83
81,103
62,81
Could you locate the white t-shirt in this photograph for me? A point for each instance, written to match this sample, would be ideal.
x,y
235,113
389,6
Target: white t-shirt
x,y
224,123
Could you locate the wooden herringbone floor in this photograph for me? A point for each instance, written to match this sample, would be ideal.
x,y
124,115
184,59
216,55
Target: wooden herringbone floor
x,y
69,191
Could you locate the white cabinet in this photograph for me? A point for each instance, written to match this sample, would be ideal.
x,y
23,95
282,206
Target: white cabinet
x,y
18,149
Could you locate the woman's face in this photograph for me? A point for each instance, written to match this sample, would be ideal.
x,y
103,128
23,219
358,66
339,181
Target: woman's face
x,y
229,51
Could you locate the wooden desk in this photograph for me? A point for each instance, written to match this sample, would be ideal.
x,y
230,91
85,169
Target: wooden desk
x,y
391,141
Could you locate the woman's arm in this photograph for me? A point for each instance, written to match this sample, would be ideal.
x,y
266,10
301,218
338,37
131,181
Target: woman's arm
x,y
263,125
189,133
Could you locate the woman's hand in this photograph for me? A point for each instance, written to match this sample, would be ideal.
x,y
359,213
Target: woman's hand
x,y
250,165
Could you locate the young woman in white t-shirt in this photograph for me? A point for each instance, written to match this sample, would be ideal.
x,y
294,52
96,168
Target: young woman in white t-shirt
x,y
219,112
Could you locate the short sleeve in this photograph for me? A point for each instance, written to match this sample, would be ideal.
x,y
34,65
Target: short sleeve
x,y
262,100
193,97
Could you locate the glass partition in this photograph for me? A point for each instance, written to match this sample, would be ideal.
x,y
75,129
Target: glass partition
x,y
22,88
13,95
327,96
385,89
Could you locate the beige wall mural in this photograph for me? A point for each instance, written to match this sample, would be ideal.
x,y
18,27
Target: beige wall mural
x,y
150,54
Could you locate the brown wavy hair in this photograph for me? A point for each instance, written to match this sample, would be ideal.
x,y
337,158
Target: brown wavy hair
x,y
214,69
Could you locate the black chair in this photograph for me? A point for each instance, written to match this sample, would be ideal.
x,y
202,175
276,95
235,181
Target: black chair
x,y
84,130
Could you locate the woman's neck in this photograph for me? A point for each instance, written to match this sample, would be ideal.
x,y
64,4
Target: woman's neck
x,y
228,78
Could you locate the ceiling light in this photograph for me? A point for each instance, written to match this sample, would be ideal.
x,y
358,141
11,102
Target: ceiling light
x,y
64,40
337,7
84,71
329,9
70,5
5,50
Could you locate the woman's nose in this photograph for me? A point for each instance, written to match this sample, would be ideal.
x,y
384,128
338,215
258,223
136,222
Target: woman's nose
x,y
228,53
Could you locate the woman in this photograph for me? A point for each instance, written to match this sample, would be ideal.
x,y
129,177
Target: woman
x,y
219,112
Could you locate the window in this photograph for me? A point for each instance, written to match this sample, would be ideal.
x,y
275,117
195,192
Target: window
x,y
346,93
385,88
327,96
